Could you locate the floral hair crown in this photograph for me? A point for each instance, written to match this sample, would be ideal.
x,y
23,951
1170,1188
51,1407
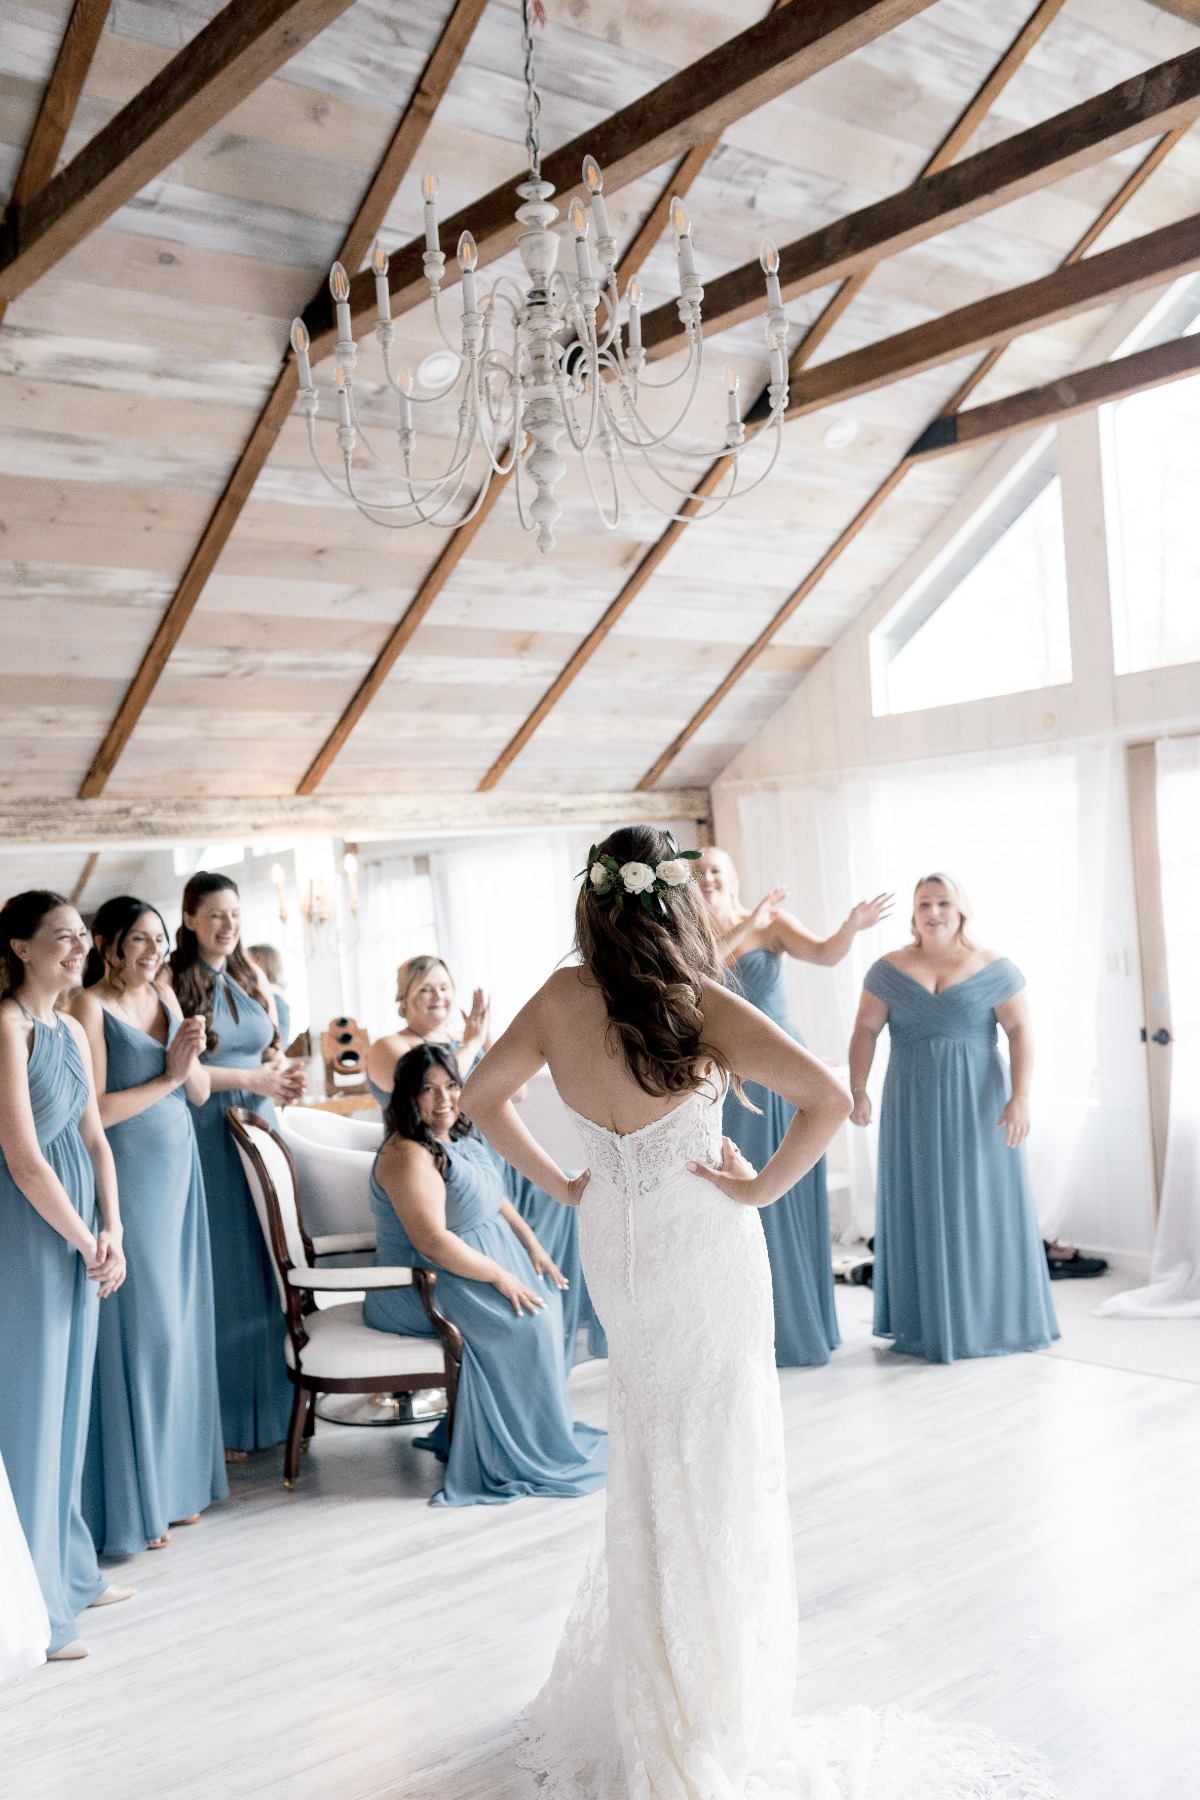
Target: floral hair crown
x,y
641,884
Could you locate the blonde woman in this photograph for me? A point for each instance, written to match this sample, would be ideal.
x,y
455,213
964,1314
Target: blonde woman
x,y
754,942
959,1266
425,996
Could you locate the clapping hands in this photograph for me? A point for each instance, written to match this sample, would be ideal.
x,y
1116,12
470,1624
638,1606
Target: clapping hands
x,y
187,1044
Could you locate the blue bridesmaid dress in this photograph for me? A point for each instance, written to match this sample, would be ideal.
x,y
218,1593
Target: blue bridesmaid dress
x,y
154,1444
797,1225
959,1264
256,1395
283,1012
48,1311
513,1430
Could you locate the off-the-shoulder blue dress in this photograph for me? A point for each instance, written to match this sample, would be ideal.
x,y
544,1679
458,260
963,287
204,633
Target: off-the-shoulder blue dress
x,y
513,1430
797,1225
48,1314
155,1452
256,1395
959,1264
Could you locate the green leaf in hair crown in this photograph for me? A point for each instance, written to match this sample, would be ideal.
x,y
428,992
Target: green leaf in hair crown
x,y
644,884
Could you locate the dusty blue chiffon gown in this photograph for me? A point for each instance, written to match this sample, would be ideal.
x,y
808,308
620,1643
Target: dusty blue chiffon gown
x,y
513,1430
48,1311
797,1225
959,1264
154,1443
256,1395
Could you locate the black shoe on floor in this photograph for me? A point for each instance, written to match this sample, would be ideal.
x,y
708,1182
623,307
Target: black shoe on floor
x,y
1075,1267
862,1275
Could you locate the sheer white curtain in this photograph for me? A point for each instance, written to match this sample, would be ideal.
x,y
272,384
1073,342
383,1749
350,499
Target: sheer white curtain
x,y
1174,1290
395,921
1031,841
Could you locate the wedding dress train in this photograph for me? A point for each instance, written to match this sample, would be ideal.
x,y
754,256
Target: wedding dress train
x,y
676,1672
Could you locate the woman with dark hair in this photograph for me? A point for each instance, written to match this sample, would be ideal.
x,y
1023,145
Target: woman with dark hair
x,y
677,1670
154,1453
215,980
959,1264
60,1249
439,1204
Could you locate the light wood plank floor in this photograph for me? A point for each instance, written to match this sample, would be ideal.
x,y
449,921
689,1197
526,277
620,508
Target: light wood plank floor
x,y
1008,1541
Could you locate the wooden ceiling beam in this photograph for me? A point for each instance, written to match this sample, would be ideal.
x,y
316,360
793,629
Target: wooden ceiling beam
x,y
397,159
226,61
1148,261
700,102
944,197
109,822
1080,391
958,135
849,533
59,101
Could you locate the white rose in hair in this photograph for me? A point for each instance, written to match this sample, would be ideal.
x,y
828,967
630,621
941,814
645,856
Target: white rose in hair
x,y
598,874
674,872
637,877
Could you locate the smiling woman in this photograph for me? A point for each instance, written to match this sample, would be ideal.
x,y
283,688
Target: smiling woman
x,y
425,997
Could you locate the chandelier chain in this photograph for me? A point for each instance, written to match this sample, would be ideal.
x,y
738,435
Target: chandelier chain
x,y
533,104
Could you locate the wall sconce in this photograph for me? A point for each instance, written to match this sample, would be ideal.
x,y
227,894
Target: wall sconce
x,y
277,878
350,865
317,904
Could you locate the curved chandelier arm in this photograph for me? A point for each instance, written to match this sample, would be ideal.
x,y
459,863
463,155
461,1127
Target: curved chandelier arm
x,y
643,438
706,506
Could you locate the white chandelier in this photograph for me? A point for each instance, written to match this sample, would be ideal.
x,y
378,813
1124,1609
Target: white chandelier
x,y
533,367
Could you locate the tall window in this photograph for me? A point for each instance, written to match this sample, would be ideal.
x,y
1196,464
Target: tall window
x,y
1153,536
992,617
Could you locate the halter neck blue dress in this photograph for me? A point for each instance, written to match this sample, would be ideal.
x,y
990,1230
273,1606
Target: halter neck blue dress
x,y
959,1265
48,1312
797,1225
256,1395
154,1444
513,1430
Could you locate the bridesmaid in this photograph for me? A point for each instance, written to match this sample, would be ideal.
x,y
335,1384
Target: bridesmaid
x,y
214,978
959,1265
268,959
425,998
154,1445
60,1254
754,943
439,1204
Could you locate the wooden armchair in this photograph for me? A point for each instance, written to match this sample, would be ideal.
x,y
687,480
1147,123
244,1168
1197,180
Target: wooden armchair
x,y
330,1350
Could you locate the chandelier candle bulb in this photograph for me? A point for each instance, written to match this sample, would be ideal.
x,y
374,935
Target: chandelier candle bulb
x,y
633,294
429,194
350,865
578,221
383,299
343,394
303,368
468,256
769,260
405,385
732,385
339,287
682,227
594,182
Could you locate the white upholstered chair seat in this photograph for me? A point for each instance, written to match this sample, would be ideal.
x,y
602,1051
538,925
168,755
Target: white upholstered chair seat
x,y
340,1347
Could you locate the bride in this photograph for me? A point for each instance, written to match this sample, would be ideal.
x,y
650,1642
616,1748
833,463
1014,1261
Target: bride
x,y
676,1673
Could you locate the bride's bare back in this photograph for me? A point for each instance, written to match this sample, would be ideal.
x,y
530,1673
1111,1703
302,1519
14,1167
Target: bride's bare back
x,y
566,1026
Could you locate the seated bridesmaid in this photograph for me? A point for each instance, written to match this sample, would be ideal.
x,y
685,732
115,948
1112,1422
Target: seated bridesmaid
x,y
439,1204
61,1242
959,1265
267,958
155,1455
425,998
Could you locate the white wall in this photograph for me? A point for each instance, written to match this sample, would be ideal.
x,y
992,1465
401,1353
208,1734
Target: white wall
x,y
826,758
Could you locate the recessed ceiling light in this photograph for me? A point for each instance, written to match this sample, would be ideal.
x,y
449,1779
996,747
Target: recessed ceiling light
x,y
437,369
841,433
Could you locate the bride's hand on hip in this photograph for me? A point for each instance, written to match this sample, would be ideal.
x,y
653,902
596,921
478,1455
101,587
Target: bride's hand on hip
x,y
735,1177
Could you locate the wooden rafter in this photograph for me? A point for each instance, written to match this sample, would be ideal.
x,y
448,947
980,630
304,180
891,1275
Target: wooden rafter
x,y
959,134
85,875
849,533
947,195
1080,391
1144,262
700,102
397,159
234,54
59,101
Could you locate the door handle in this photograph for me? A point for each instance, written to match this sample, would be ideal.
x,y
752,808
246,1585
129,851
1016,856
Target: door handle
x,y
1161,1036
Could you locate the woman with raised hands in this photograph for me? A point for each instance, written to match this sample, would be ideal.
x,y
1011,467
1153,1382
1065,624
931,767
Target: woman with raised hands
x,y
216,981
155,1455
60,1232
439,1203
754,942
426,1001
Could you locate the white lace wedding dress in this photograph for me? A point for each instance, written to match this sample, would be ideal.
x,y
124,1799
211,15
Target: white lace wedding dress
x,y
676,1673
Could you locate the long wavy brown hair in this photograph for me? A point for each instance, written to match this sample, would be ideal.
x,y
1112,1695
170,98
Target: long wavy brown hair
x,y
191,977
650,970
